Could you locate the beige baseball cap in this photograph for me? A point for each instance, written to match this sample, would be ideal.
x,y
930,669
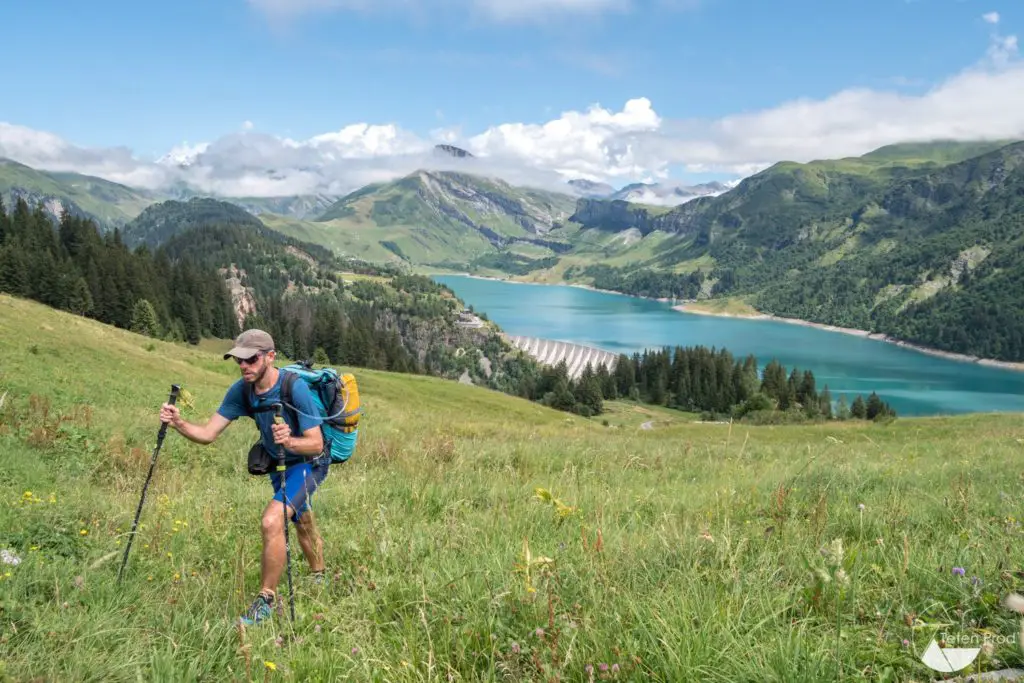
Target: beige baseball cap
x,y
249,343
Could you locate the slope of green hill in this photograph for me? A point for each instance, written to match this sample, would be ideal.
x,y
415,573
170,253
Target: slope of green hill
x,y
921,251
162,221
109,204
337,235
685,552
448,218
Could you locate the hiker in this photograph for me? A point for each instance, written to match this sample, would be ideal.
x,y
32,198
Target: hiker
x,y
306,459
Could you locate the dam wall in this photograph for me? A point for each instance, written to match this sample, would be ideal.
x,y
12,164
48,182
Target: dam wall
x,y
576,356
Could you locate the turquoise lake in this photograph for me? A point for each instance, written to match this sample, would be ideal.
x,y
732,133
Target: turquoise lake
x,y
912,382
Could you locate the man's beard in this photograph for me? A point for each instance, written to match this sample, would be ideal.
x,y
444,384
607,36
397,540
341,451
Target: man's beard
x,y
257,378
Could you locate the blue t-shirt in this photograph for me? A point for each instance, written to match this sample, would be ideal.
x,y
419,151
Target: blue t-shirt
x,y
233,407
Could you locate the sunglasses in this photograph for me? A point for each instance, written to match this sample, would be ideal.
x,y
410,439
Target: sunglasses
x,y
251,360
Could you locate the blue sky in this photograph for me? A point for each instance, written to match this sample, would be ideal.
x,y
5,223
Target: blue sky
x,y
149,76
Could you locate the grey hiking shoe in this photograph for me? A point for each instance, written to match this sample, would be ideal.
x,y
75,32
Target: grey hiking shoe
x,y
318,579
261,609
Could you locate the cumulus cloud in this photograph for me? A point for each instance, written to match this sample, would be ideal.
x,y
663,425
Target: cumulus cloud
x,y
991,17
600,143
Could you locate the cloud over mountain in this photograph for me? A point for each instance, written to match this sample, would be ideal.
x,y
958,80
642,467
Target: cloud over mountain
x,y
632,144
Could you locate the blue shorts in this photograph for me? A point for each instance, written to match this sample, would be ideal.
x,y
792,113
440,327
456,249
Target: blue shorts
x,y
301,480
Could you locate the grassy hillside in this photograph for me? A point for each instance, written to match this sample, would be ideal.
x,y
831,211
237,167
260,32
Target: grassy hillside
x,y
343,237
691,551
109,204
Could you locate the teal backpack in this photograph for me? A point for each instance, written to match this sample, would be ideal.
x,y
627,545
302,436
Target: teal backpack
x,y
336,397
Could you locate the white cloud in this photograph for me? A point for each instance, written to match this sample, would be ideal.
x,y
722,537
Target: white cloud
x,y
634,143
991,17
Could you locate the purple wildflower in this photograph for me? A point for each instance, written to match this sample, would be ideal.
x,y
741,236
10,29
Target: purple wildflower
x,y
603,667
959,571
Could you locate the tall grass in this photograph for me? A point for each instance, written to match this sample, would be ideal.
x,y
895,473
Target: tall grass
x,y
475,536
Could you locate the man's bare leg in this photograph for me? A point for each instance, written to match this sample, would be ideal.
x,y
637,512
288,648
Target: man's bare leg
x,y
311,541
273,560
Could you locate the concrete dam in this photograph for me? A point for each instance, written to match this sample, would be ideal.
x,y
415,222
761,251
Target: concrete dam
x,y
576,356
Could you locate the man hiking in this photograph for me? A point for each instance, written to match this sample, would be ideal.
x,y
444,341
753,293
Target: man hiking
x,y
306,459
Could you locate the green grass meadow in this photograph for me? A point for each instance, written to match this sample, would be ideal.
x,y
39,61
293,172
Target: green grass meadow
x,y
479,537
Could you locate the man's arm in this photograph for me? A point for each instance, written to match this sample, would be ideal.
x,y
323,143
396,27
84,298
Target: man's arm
x,y
203,434
312,440
310,443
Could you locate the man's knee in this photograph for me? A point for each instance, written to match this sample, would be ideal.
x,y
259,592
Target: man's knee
x,y
273,518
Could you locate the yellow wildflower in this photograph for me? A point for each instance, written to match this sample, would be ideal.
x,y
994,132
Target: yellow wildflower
x,y
270,665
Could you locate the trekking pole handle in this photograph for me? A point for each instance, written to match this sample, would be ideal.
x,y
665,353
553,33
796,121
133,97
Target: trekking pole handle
x,y
171,399
279,419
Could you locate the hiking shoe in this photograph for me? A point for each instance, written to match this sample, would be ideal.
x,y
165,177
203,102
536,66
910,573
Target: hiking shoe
x,y
318,579
261,609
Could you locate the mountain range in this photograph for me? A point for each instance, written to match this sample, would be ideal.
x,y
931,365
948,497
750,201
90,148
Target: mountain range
x,y
909,240
112,204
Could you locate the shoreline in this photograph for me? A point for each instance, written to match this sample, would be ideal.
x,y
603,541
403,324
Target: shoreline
x,y
865,334
578,285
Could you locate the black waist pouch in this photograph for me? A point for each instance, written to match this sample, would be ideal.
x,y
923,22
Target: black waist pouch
x,y
260,461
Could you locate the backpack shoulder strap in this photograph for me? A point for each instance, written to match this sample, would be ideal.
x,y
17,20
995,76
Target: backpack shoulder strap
x,y
287,380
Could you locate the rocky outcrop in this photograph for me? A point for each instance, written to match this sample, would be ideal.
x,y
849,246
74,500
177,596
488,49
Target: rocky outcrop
x,y
591,189
452,151
452,193
241,296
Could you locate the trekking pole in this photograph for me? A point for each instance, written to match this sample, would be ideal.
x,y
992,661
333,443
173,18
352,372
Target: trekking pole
x,y
152,464
284,495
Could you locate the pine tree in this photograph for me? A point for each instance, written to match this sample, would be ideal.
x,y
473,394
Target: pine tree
x,y
144,320
858,410
4,222
193,332
875,407
588,395
79,299
320,356
843,409
825,403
